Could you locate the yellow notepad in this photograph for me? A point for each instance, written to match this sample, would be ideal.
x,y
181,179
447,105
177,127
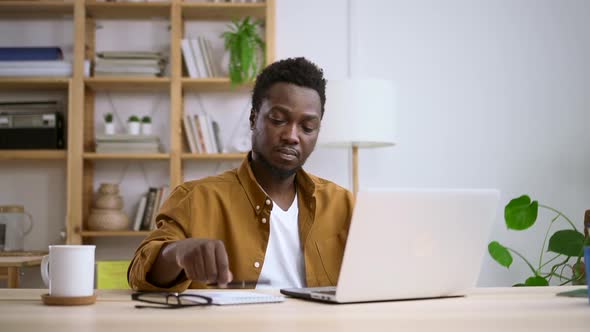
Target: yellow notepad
x,y
112,274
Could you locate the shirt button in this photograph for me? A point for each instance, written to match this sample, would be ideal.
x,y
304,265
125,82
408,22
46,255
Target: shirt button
x,y
257,207
264,220
268,202
256,264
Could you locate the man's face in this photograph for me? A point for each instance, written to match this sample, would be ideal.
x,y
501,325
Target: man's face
x,y
286,128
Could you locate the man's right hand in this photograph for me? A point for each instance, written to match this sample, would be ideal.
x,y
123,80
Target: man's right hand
x,y
203,260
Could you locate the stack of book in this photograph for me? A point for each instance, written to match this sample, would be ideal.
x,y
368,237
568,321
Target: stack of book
x,y
148,207
202,134
33,61
129,64
123,143
198,58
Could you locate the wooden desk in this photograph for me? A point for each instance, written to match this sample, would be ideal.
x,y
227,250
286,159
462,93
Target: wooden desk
x,y
492,309
12,265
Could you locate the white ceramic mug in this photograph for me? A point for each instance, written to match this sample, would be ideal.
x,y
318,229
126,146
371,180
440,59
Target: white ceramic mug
x,y
68,270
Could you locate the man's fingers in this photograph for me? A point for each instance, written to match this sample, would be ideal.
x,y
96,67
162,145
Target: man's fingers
x,y
199,266
224,275
208,253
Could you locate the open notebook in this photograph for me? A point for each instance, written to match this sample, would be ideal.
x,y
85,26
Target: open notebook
x,y
237,297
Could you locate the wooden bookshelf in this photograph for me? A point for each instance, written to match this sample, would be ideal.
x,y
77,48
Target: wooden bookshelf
x,y
82,90
33,83
113,233
213,156
128,10
33,155
128,83
35,9
222,11
213,84
126,156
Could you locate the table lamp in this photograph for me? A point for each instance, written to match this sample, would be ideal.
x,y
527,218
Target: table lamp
x,y
360,113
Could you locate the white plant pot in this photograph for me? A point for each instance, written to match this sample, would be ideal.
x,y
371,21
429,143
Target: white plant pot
x,y
146,128
133,128
109,128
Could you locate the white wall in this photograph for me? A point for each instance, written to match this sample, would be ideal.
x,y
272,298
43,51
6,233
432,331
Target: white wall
x,y
490,94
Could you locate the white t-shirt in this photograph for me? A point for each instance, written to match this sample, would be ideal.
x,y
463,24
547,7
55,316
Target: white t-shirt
x,y
284,265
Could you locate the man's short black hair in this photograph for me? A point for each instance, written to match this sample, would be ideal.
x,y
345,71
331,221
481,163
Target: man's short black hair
x,y
298,71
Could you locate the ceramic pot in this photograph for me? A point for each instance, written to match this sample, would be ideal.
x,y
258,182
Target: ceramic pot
x,y
146,128
133,128
109,128
107,220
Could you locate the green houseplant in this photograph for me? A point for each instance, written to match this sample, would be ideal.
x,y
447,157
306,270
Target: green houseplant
x,y
520,214
246,50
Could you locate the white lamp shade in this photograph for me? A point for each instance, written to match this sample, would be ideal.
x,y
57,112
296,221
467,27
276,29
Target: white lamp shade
x,y
359,112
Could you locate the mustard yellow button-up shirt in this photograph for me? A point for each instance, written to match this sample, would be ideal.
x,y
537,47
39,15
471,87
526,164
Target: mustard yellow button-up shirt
x,y
231,207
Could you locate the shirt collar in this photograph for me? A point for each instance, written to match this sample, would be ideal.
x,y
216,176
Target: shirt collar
x,y
257,197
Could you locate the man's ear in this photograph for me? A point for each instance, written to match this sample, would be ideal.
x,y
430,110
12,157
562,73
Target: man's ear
x,y
253,114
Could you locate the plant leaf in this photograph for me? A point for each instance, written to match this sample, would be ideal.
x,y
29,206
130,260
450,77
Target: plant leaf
x,y
500,254
567,242
518,285
520,213
536,281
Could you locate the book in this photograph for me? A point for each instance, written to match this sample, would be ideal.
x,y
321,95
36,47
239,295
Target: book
x,y
188,133
237,297
217,135
139,213
30,53
198,56
199,135
155,208
149,209
205,56
129,55
187,55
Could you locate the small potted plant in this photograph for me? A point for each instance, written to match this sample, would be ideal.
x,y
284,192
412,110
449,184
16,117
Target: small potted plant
x,y
133,125
246,50
146,125
109,125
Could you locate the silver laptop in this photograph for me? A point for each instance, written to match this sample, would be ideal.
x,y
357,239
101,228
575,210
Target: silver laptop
x,y
411,244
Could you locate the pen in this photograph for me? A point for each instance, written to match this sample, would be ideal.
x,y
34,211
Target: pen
x,y
242,283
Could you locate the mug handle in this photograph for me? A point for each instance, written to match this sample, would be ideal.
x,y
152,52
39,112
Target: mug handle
x,y
45,270
30,227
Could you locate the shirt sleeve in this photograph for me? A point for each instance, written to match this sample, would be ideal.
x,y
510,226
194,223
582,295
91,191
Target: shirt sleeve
x,y
172,221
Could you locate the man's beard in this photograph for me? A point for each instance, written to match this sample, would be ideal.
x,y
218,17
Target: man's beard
x,y
275,171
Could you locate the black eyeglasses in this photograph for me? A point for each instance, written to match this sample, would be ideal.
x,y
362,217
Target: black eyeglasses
x,y
161,300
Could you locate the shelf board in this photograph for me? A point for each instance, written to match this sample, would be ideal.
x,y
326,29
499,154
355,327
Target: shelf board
x,y
222,11
33,154
33,83
213,156
113,233
125,156
128,10
128,83
35,9
213,84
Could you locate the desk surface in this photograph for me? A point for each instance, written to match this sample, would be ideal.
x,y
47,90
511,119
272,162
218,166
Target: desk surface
x,y
487,309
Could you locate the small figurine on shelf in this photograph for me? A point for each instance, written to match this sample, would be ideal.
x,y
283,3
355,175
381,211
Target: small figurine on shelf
x,y
133,125
146,125
109,125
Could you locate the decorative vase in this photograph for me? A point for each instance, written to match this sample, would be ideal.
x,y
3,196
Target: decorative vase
x,y
109,128
133,128
106,214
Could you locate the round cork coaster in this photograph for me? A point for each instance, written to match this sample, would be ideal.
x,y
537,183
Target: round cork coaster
x,y
74,300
